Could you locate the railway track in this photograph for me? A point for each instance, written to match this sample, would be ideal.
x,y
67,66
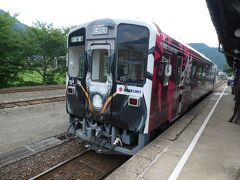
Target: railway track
x,y
54,168
68,160
32,88
6,105
85,165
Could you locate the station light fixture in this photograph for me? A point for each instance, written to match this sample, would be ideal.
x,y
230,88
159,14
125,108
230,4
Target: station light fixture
x,y
236,51
237,33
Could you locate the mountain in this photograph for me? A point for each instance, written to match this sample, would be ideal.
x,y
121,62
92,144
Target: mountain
x,y
211,53
18,25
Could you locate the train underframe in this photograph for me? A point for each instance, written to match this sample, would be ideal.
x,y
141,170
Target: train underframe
x,y
105,138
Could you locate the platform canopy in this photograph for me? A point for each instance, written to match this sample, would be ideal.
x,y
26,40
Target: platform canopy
x,y
225,16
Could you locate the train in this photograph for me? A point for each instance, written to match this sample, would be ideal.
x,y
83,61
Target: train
x,y
222,76
126,78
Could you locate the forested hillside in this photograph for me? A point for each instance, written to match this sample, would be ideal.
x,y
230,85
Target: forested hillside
x,y
31,55
211,53
17,25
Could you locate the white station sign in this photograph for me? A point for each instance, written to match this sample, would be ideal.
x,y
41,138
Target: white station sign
x,y
130,90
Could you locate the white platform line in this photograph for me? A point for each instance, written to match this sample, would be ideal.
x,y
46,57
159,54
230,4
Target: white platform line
x,y
189,150
29,148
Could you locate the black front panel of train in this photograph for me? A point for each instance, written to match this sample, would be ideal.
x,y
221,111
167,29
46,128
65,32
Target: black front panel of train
x,y
127,117
76,101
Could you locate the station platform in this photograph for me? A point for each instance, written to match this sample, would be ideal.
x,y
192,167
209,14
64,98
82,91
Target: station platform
x,y
200,145
21,126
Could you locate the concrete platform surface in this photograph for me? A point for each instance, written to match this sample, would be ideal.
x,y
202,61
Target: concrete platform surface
x,y
25,125
216,155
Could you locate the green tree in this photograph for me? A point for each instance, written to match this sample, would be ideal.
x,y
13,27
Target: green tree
x,y
228,70
46,50
11,46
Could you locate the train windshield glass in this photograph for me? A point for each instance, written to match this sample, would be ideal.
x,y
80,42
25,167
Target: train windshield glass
x,y
132,51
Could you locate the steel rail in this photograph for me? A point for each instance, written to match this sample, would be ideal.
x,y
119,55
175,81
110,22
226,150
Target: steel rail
x,y
32,102
58,165
30,89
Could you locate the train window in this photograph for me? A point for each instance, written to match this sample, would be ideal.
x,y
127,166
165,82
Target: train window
x,y
204,74
132,50
76,61
178,70
166,60
161,68
210,74
99,65
199,75
193,73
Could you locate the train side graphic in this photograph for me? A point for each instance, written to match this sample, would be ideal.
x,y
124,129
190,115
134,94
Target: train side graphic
x,y
126,78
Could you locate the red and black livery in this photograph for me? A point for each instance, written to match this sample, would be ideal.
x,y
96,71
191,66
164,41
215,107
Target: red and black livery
x,y
126,78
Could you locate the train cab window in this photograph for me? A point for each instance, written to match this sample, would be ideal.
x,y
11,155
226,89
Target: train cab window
x,y
76,62
76,54
123,66
132,50
99,65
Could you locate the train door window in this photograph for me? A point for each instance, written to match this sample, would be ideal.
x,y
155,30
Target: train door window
x,y
99,65
178,70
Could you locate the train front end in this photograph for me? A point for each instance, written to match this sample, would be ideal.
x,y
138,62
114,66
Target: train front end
x,y
109,84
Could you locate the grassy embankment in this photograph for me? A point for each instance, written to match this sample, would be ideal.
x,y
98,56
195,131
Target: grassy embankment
x,y
32,78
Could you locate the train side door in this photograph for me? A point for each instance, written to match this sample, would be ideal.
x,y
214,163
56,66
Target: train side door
x,y
179,85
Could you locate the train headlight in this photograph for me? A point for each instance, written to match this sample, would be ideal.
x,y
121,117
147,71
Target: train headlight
x,y
97,102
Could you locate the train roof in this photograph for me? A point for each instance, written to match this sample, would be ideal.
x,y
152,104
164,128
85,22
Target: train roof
x,y
194,50
191,48
151,25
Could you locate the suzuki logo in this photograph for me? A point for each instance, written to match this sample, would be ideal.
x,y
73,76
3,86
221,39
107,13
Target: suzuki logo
x,y
130,90
120,89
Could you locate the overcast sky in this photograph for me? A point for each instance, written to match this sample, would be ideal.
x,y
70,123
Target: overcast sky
x,y
188,20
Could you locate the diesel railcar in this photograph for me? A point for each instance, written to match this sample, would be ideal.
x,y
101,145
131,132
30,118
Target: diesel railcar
x,y
126,78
